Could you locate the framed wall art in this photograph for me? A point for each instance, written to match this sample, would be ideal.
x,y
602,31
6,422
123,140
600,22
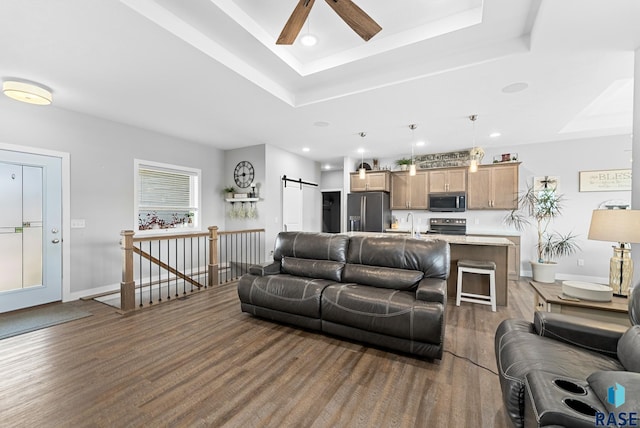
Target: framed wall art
x,y
606,180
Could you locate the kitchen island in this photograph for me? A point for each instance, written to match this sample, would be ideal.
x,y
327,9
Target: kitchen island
x,y
487,248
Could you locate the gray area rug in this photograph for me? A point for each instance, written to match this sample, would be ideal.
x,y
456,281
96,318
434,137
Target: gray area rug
x,y
13,324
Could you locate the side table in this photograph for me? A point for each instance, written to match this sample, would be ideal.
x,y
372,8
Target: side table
x,y
548,297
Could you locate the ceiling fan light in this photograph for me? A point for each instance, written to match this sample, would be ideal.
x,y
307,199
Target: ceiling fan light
x,y
27,92
308,40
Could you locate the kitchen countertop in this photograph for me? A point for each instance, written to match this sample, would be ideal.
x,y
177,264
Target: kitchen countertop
x,y
470,231
451,239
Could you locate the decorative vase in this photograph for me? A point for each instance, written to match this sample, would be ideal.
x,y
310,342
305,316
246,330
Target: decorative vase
x,y
404,167
543,272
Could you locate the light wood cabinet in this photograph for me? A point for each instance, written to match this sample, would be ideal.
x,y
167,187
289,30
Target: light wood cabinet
x,y
448,180
514,255
375,181
409,192
493,187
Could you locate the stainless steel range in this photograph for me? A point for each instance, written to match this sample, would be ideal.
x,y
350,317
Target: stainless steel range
x,y
448,226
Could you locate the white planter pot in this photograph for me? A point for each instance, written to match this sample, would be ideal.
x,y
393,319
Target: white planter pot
x,y
543,272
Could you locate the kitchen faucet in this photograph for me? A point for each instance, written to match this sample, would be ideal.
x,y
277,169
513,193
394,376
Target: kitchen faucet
x,y
413,230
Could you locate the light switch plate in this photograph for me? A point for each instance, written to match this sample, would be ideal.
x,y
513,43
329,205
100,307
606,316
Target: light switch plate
x,y
77,223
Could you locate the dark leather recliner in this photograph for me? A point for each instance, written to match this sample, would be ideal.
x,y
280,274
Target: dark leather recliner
x,y
578,351
386,291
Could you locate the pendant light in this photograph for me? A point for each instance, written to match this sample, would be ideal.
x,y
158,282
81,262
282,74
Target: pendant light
x,y
412,167
362,172
473,165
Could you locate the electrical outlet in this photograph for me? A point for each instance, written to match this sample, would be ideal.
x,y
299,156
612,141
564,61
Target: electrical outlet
x,y
580,262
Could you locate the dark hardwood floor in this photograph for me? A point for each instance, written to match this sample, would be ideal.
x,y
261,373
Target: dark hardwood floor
x,y
201,362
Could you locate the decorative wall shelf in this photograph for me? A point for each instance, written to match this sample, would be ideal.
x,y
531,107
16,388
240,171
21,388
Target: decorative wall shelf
x,y
242,200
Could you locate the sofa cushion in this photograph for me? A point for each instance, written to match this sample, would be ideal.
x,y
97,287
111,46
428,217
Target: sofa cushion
x,y
390,312
324,269
306,245
282,292
398,279
629,349
430,257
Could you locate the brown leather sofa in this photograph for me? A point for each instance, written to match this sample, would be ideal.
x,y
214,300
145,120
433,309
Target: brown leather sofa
x,y
558,370
386,291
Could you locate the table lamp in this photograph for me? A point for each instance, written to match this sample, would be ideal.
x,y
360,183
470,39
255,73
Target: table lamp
x,y
623,227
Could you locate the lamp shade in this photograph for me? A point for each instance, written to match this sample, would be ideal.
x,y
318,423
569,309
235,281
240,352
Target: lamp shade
x,y
615,226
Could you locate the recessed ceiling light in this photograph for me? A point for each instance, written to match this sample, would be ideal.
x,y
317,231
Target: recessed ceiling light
x,y
515,87
495,135
420,143
327,166
306,149
361,150
308,40
27,92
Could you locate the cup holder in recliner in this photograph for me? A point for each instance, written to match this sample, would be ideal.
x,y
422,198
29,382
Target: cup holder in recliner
x,y
580,406
569,386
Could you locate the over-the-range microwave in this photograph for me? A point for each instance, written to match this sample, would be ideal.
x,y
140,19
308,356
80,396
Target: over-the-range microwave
x,y
448,202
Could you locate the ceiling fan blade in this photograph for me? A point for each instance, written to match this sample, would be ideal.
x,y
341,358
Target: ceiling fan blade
x,y
295,23
355,18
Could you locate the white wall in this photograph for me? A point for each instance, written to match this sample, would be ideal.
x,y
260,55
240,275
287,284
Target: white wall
x,y
255,155
331,180
102,154
271,163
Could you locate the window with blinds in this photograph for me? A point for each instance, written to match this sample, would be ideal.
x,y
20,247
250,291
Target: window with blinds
x,y
167,196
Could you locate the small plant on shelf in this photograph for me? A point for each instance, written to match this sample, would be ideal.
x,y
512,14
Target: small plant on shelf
x,y
229,191
403,163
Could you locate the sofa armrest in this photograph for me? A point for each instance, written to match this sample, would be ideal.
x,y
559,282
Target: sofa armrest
x,y
432,290
582,332
264,269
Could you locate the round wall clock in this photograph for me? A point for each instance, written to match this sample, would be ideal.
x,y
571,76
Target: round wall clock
x,y
243,174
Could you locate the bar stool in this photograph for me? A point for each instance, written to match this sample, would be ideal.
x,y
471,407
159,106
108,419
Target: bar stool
x,y
479,267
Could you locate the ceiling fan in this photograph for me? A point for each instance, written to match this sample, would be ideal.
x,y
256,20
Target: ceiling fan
x,y
350,13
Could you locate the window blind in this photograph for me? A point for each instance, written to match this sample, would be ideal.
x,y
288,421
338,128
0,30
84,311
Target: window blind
x,y
159,189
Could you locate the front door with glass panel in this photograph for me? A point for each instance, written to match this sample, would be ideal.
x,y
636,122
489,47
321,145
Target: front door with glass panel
x,y
30,230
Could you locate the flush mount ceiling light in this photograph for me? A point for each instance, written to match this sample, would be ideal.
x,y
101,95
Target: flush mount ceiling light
x,y
27,92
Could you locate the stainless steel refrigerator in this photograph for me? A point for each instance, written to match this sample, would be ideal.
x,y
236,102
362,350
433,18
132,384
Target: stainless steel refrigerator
x,y
368,212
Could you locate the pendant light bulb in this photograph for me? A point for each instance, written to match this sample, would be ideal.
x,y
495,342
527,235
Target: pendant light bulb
x,y
412,167
362,172
473,164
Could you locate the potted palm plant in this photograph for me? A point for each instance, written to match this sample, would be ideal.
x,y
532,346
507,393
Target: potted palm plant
x,y
541,207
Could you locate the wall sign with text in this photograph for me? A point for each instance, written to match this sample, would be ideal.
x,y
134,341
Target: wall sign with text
x,y
608,180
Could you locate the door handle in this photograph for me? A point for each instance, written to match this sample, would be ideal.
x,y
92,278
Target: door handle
x,y
55,241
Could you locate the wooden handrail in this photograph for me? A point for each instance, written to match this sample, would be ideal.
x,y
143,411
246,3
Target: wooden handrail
x,y
129,248
232,232
172,236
